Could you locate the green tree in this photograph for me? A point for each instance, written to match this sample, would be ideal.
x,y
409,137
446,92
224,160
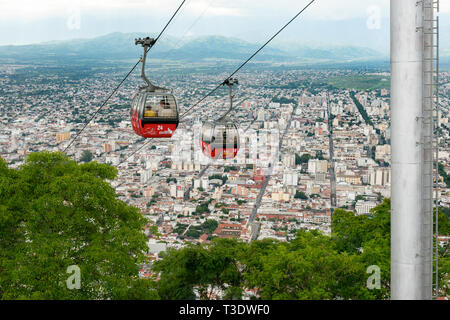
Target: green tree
x,y
444,271
349,230
367,236
86,156
304,158
219,177
443,223
204,268
209,226
308,267
361,109
444,175
300,195
202,208
55,213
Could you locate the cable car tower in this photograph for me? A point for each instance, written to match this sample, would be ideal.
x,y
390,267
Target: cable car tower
x,y
415,120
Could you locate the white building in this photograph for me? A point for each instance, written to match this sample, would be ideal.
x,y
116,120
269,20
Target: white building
x,y
363,207
317,166
290,178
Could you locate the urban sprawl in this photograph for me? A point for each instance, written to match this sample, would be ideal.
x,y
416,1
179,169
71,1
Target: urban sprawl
x,y
281,179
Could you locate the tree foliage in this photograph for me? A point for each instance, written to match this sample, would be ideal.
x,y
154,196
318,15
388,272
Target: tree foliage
x,y
304,158
207,227
361,109
444,174
205,269
311,266
368,236
86,156
308,267
300,195
55,213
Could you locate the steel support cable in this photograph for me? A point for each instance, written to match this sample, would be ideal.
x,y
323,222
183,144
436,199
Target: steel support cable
x,y
101,107
134,152
193,24
123,80
231,75
248,60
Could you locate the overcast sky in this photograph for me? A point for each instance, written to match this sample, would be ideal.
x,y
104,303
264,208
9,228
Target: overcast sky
x,y
32,21
32,10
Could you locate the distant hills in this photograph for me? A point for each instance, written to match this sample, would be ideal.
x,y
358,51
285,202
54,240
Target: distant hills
x,y
120,47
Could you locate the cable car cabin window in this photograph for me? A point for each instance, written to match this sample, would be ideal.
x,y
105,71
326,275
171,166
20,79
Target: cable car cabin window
x,y
140,105
133,105
160,107
207,133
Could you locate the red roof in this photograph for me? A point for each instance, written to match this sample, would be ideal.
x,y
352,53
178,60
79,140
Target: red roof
x,y
228,226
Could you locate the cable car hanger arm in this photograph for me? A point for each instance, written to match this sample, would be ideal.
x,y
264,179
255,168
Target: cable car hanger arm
x,y
147,43
229,82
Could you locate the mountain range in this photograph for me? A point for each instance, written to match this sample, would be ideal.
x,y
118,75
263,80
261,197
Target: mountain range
x,y
120,47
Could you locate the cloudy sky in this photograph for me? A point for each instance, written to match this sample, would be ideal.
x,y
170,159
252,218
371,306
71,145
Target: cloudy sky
x,y
32,21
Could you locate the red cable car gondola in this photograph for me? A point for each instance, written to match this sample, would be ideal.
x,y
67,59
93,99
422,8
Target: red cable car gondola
x,y
154,112
220,139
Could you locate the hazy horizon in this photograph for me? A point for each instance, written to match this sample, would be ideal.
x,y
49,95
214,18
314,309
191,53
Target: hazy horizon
x,y
324,22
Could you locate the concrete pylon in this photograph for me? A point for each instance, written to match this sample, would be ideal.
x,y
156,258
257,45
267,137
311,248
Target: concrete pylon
x,y
408,279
